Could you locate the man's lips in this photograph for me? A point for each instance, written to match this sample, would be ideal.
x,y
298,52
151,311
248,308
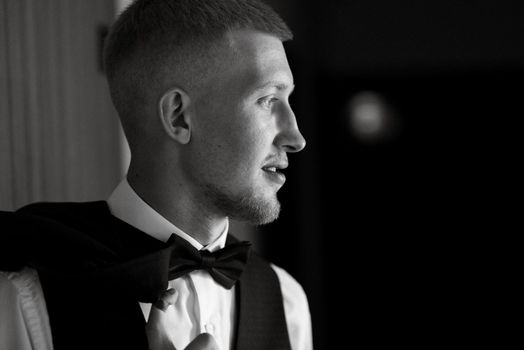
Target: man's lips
x,y
276,164
272,169
274,172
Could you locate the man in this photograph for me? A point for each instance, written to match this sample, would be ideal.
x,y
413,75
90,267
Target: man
x,y
202,90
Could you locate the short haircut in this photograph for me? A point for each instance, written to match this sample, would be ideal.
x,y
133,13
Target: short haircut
x,y
151,34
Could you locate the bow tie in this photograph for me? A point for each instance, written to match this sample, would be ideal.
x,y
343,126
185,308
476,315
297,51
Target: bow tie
x,y
225,265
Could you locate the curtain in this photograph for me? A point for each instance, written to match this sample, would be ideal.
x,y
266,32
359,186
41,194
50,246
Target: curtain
x,y
59,134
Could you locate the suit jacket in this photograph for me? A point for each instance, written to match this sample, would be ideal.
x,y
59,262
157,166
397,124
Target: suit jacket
x,y
94,268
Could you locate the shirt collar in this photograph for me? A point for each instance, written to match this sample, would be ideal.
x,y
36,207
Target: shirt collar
x,y
125,204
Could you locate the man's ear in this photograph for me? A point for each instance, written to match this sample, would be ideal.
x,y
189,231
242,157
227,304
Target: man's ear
x,y
173,108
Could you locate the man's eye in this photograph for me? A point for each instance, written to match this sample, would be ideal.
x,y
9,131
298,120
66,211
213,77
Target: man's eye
x,y
267,102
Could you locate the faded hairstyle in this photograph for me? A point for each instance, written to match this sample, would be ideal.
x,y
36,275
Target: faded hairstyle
x,y
154,43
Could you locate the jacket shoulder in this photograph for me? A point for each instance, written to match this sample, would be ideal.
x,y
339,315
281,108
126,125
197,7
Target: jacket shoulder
x,y
39,232
60,208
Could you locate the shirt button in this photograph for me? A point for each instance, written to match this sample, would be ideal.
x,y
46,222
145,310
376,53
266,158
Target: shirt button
x,y
210,328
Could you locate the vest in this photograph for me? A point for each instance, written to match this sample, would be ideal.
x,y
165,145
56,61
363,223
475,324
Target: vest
x,y
70,243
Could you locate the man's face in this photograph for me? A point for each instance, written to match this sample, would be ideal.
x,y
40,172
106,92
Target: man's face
x,y
242,129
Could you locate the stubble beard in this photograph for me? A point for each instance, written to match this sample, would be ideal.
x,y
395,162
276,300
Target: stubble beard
x,y
245,206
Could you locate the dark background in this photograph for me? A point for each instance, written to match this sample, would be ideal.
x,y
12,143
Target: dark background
x,y
385,236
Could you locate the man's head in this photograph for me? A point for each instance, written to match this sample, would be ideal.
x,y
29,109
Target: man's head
x,y
202,89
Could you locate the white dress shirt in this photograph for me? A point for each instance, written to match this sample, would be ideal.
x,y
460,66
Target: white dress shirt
x,y
202,304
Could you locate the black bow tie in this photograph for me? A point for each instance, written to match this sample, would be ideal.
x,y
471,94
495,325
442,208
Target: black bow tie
x,y
225,265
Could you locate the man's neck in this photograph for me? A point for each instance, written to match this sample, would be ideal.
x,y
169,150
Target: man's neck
x,y
180,208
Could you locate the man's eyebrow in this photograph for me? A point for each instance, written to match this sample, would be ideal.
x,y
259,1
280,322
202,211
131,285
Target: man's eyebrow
x,y
279,85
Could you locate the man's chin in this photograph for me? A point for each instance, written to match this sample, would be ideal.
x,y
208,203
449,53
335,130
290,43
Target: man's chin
x,y
258,212
247,206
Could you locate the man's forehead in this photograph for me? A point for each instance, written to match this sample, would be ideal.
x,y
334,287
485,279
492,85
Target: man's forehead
x,y
262,77
254,43
262,54
249,61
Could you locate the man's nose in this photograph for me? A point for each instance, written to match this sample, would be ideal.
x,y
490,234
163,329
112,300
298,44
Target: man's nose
x,y
290,139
